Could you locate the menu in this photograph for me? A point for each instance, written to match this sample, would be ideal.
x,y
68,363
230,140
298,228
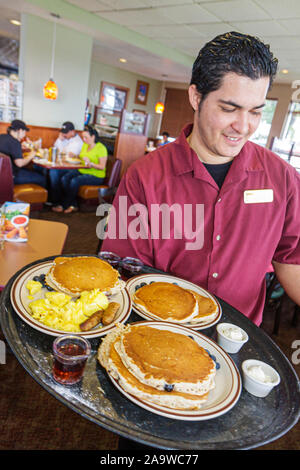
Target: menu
x,y
16,219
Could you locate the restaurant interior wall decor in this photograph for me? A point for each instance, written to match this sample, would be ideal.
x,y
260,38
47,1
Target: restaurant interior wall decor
x,y
141,92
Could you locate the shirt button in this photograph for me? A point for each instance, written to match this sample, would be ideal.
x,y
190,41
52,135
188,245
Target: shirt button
x,y
218,237
220,199
215,275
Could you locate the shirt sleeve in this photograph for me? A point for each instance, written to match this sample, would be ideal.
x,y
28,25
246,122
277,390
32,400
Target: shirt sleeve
x,y
128,232
101,151
288,248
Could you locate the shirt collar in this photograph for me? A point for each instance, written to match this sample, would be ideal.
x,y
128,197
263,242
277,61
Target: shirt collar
x,y
246,161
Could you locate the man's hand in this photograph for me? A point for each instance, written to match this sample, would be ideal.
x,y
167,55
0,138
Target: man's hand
x,y
289,277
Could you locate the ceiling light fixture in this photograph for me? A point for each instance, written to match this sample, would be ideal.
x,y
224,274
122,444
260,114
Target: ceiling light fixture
x,y
50,88
123,60
285,71
159,107
15,22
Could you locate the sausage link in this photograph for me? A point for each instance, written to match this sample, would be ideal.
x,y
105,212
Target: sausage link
x,y
92,321
110,313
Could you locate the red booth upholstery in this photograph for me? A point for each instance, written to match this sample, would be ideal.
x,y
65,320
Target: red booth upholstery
x,y
33,193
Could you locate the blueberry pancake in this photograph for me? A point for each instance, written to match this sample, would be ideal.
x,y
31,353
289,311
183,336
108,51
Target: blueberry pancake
x,y
167,301
73,275
167,397
158,366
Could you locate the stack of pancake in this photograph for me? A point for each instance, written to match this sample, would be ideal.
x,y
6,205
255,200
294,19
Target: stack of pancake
x,y
170,302
159,366
73,275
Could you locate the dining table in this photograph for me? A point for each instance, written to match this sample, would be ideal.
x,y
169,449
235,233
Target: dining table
x,y
45,238
59,163
248,423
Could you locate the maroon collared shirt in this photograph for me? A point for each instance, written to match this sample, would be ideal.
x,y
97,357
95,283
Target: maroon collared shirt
x,y
221,239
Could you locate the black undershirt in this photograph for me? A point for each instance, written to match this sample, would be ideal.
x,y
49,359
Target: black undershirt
x,y
218,172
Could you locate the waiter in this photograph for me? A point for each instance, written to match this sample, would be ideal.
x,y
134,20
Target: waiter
x,y
232,205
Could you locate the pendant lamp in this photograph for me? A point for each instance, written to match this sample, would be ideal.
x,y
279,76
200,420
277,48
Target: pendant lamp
x,y
159,107
50,88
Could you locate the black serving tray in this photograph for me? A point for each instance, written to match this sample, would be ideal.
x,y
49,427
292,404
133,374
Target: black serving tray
x,y
251,423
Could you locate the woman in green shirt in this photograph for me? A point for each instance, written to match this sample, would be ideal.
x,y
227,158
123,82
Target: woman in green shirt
x,y
94,155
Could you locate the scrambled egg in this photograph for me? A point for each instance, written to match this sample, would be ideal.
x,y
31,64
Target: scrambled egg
x,y
59,311
33,287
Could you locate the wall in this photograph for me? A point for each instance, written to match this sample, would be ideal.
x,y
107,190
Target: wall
x,y
71,72
101,72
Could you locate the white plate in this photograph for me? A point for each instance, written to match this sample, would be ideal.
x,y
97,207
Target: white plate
x,y
19,299
227,380
133,283
41,160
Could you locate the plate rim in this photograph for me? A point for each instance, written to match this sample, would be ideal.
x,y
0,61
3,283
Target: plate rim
x,y
52,331
196,326
190,415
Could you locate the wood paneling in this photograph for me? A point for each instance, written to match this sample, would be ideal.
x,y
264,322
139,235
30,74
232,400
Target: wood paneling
x,y
47,134
178,111
128,148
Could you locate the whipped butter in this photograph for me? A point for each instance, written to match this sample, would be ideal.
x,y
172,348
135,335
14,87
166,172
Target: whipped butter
x,y
257,373
233,333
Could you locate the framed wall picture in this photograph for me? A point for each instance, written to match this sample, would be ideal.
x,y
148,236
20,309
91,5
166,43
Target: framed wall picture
x,y
113,98
141,93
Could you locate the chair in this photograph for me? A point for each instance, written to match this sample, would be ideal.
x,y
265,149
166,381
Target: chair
x,y
32,193
93,195
6,179
275,296
106,193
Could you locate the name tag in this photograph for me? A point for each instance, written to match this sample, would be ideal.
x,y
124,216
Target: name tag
x,y
258,195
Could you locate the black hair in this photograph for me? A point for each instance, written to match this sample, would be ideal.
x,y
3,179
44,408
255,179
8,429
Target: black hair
x,y
166,134
92,131
232,52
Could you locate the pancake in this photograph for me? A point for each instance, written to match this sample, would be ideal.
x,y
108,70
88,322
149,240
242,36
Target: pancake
x,y
207,309
167,301
164,359
109,358
73,275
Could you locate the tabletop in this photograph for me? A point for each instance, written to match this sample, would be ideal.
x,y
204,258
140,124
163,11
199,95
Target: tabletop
x,y
45,238
58,165
251,423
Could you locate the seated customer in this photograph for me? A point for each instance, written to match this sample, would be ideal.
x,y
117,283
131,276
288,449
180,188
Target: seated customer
x,y
165,139
68,140
10,144
70,143
94,155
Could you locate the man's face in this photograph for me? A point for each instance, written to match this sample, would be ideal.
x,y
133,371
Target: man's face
x,y
228,116
69,135
21,133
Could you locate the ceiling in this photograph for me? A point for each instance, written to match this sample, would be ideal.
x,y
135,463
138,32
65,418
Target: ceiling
x,y
171,27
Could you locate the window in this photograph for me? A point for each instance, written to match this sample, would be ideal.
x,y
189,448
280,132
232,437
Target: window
x,y
292,126
261,134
